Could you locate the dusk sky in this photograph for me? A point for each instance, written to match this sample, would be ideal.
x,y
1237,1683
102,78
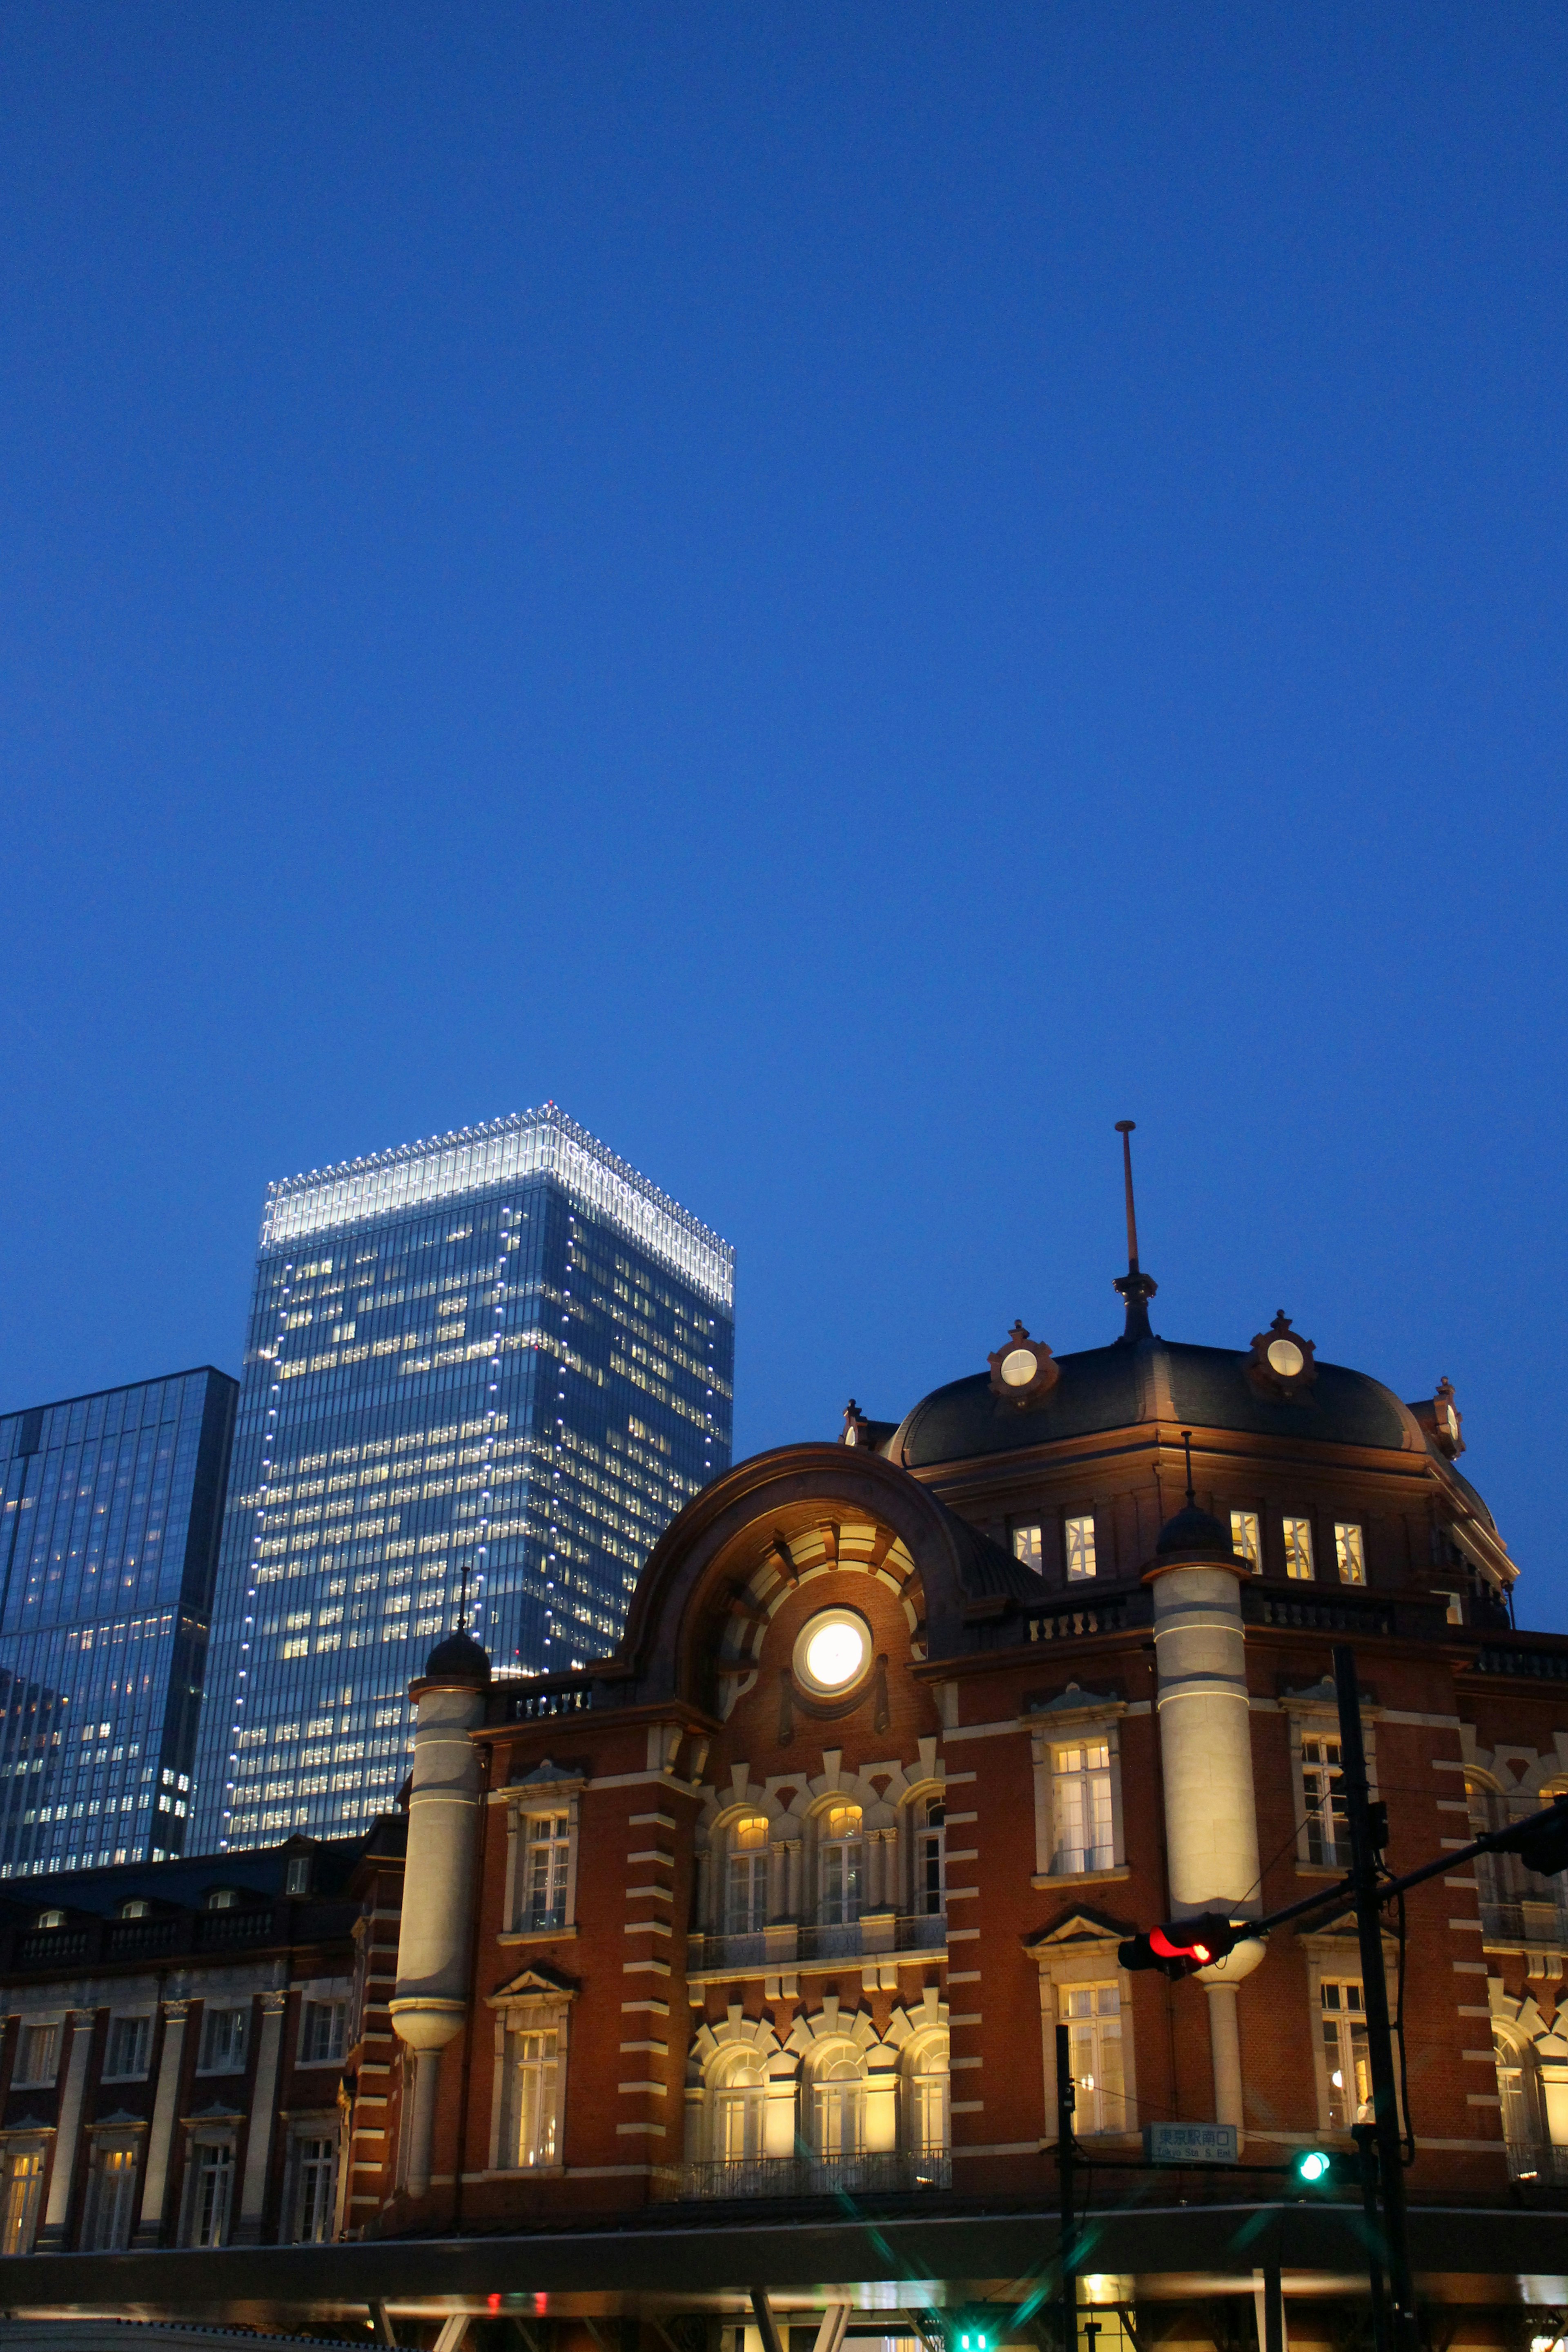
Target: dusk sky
x,y
851,593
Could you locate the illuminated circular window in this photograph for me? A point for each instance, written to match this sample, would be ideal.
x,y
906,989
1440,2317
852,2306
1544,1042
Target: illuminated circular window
x,y
1019,1366
1285,1357
833,1652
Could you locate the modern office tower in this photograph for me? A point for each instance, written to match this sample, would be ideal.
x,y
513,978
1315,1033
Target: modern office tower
x,y
109,1548
483,1374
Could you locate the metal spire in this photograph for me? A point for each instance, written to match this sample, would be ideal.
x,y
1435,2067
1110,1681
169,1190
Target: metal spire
x,y
1135,1286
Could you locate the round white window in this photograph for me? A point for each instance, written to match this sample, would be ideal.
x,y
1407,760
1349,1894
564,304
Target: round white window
x,y
1019,1366
832,1652
1286,1358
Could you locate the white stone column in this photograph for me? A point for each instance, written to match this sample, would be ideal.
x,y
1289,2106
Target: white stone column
x,y
430,1999
792,1850
1205,1753
52,2236
160,2139
263,2111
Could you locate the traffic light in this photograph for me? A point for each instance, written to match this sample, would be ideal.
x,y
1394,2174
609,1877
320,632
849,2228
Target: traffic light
x,y
1182,1946
1541,1845
1323,2168
979,2328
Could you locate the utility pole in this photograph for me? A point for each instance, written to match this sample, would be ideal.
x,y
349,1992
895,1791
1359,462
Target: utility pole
x,y
1065,2101
1364,1850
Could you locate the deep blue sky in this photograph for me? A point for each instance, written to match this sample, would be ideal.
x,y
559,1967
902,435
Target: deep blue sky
x,y
853,594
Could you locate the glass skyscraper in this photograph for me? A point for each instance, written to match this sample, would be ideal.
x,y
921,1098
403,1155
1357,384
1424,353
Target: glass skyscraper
x,y
108,1548
492,1366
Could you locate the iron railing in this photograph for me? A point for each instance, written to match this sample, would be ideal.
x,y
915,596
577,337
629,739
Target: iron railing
x,y
890,2173
1542,1923
1529,2160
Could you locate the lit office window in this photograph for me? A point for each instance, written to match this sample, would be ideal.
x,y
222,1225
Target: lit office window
x,y
1028,1544
1247,1537
1078,1541
1350,1557
1082,1790
1298,1548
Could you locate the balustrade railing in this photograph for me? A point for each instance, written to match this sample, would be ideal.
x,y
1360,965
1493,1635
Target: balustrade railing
x,y
786,1943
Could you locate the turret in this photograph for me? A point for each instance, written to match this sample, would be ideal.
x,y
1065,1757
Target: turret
x,y
434,1945
1206,1755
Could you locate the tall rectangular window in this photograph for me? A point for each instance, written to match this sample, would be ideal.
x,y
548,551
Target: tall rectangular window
x,y
841,1866
1086,1837
130,2040
211,2190
1093,2018
547,1856
1299,1548
113,2190
1345,2059
223,2044
746,1880
38,2057
24,2186
1078,1538
321,2033
315,2183
1247,1537
1350,1554
930,1860
1028,1545
534,2056
1322,1791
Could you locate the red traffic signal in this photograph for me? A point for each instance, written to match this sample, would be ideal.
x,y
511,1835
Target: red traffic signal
x,y
1182,1946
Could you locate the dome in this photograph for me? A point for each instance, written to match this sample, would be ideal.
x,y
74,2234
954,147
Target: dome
x,y
457,1659
1193,1531
1130,1382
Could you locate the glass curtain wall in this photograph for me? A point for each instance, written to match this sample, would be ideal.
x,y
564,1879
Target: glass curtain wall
x,y
110,1511
496,1400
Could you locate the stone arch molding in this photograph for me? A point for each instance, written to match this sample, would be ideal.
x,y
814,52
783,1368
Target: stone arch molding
x,y
726,1564
813,2034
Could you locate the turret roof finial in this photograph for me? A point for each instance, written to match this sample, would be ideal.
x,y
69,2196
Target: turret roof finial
x,y
1187,1446
1135,1286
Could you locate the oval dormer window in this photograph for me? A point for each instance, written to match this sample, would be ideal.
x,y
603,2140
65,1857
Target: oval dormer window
x,y
833,1652
1285,1357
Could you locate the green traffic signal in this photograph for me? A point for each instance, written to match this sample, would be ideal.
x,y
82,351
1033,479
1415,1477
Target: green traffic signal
x,y
1314,2167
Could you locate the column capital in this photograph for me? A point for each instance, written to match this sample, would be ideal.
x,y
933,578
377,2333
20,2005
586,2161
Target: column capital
x,y
176,2012
82,2018
273,2004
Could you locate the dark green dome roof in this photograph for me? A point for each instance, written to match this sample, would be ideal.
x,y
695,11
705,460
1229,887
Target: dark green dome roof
x,y
1134,1382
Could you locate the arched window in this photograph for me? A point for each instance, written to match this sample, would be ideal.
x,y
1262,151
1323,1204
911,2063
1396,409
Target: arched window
x,y
746,1879
1519,2125
838,2110
842,1865
927,2131
930,1864
739,2106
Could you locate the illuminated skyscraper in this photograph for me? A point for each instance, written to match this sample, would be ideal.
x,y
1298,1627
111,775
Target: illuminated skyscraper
x,y
109,1546
498,1361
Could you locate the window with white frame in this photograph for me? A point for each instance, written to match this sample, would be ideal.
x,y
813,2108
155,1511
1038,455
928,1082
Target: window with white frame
x,y
112,2193
129,2046
38,2056
1092,2015
1247,1537
1078,1545
315,2184
930,1859
223,2037
1323,1802
534,2052
841,1864
1297,1536
1349,1552
211,2192
322,2028
546,1872
1028,1544
746,1877
1081,1808
928,2107
24,2187
740,2110
1346,2064
838,2108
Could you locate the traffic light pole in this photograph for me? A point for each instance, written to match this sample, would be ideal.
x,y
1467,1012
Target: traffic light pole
x,y
1375,2003
1065,2102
